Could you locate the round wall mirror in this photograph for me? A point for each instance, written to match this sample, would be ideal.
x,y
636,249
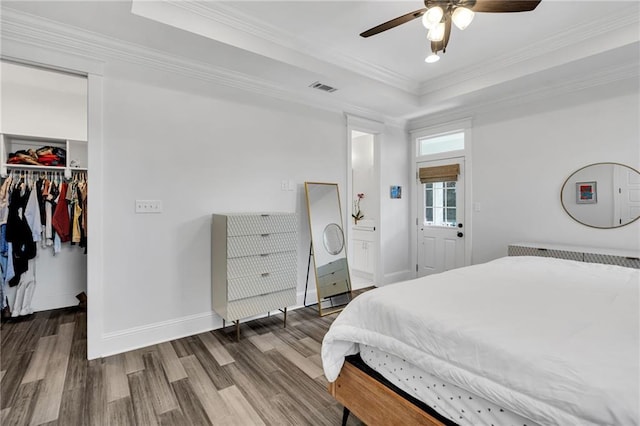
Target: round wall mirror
x,y
333,238
602,195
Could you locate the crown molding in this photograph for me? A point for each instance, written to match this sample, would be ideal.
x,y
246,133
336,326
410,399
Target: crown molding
x,y
40,32
573,35
625,72
224,14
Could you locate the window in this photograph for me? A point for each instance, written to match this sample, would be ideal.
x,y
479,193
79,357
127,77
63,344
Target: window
x,y
442,143
440,204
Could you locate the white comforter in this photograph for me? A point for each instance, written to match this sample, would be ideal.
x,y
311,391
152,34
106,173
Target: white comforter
x,y
556,341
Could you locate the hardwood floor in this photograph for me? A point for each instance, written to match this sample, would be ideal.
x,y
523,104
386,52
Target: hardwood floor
x,y
272,376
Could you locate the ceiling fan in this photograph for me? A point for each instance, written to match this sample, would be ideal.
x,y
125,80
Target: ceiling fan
x,y
437,16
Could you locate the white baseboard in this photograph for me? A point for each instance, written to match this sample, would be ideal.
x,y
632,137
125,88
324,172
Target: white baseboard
x,y
164,331
151,334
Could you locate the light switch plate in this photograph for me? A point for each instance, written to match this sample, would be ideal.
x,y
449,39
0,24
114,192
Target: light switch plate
x,y
148,206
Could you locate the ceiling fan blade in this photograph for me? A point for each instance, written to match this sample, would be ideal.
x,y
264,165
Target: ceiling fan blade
x,y
437,46
504,6
393,23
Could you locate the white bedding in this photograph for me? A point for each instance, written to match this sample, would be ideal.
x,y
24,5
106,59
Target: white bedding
x,y
553,340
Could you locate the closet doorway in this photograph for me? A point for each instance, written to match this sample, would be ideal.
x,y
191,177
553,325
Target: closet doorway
x,y
43,162
364,209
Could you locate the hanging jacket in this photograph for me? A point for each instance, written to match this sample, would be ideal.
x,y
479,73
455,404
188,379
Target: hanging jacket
x,y
60,219
19,234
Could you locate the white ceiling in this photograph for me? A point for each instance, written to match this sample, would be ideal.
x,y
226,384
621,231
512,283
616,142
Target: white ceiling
x,y
285,46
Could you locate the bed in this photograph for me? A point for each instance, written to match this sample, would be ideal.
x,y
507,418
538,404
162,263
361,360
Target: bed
x,y
518,340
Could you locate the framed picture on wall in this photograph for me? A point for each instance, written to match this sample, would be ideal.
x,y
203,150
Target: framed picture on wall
x,y
396,192
586,193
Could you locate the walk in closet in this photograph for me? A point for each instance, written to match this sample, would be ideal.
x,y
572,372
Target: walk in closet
x,y
45,182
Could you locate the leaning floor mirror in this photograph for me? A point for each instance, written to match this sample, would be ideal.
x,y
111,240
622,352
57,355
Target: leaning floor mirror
x,y
328,247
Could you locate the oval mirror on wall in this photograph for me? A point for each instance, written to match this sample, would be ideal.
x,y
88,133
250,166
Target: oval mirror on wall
x,y
602,195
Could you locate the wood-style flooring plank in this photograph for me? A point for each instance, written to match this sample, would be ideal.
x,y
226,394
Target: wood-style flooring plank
x,y
296,382
116,378
141,398
133,361
4,414
215,348
73,410
218,375
246,351
190,405
120,412
50,395
23,404
96,393
202,387
259,392
243,412
265,342
310,409
303,363
12,340
40,359
77,368
172,418
162,395
13,378
181,346
172,366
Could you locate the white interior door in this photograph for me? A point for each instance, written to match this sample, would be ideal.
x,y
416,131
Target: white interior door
x,y
441,222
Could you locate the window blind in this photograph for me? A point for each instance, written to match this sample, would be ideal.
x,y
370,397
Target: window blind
x,y
446,173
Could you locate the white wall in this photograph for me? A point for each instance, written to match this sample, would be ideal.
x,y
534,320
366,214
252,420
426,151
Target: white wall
x,y
522,157
199,155
395,229
43,103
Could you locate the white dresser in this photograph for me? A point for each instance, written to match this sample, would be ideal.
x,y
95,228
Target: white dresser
x,y
630,259
254,264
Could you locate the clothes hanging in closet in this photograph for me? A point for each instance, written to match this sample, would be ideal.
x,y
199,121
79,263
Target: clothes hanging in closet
x,y
49,210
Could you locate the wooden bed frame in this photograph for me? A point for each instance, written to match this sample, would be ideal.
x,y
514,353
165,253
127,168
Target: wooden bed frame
x,y
375,401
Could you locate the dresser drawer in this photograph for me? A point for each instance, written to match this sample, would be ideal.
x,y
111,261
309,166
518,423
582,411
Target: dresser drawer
x,y
251,245
332,288
256,224
331,267
260,304
255,265
340,275
260,285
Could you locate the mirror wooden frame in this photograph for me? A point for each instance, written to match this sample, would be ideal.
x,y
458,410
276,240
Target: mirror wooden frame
x,y
334,274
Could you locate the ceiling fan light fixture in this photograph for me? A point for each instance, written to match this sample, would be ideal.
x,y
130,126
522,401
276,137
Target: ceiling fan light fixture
x,y
462,17
432,17
436,33
432,58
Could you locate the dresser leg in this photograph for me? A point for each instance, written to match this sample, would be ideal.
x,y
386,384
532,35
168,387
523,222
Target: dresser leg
x,y
223,323
238,331
285,317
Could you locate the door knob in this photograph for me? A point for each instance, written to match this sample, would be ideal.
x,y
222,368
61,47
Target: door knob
x,y
460,234
459,225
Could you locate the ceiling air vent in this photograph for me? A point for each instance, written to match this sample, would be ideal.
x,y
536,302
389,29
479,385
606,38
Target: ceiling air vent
x,y
323,87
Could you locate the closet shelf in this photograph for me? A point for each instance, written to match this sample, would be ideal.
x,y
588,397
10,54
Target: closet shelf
x,y
44,168
76,151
